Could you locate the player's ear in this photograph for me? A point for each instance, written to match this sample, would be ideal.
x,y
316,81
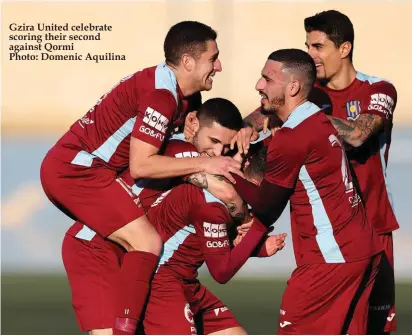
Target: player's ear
x,y
345,49
192,121
294,87
188,62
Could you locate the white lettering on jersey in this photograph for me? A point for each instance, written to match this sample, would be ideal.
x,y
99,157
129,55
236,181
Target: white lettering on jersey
x,y
160,198
217,244
156,120
153,134
188,314
214,230
354,199
221,309
85,120
382,103
187,155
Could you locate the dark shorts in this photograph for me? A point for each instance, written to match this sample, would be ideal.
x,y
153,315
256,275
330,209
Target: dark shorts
x,y
93,195
92,267
328,298
176,308
382,300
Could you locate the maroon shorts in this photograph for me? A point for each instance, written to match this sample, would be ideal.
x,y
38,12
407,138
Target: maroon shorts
x,y
88,191
92,266
328,298
382,300
176,308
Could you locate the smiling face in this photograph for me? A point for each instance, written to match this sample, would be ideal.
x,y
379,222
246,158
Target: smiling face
x,y
213,139
326,55
271,87
206,66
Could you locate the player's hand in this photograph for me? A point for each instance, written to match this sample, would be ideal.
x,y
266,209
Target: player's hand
x,y
243,138
274,130
275,243
222,165
265,124
189,132
238,239
238,157
242,229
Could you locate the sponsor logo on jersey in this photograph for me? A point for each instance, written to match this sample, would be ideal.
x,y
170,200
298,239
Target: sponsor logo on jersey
x,y
152,133
382,103
187,155
217,244
391,317
214,230
156,120
353,108
284,324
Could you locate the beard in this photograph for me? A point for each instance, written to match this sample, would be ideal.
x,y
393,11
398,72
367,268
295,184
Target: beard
x,y
275,104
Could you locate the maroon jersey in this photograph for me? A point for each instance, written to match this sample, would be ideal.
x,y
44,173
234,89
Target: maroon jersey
x,y
328,220
147,105
154,190
377,96
193,225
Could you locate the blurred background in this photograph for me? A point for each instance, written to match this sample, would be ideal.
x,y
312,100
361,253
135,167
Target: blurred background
x,y
41,99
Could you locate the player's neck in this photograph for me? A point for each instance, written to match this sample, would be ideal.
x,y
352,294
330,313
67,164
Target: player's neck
x,y
285,111
185,83
343,78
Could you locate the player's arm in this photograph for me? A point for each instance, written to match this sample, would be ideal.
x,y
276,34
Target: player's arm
x,y
222,189
356,132
256,126
268,246
380,103
217,185
222,261
256,120
148,135
284,159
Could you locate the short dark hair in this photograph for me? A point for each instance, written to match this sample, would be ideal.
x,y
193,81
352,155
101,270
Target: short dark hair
x,y
336,25
299,62
222,111
187,37
257,164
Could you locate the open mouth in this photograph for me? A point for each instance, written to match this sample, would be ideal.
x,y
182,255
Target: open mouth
x,y
263,96
210,78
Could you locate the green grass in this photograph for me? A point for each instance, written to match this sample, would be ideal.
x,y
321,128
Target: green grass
x,y
41,304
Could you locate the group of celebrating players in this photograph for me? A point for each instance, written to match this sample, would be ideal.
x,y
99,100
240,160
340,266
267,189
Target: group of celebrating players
x,y
159,183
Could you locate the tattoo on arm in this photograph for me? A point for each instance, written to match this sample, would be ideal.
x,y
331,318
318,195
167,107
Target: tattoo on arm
x,y
222,178
255,119
356,132
199,180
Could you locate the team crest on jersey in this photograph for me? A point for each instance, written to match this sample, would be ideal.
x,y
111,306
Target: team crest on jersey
x,y
353,108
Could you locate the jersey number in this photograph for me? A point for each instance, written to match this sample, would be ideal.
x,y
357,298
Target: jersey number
x,y
344,168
